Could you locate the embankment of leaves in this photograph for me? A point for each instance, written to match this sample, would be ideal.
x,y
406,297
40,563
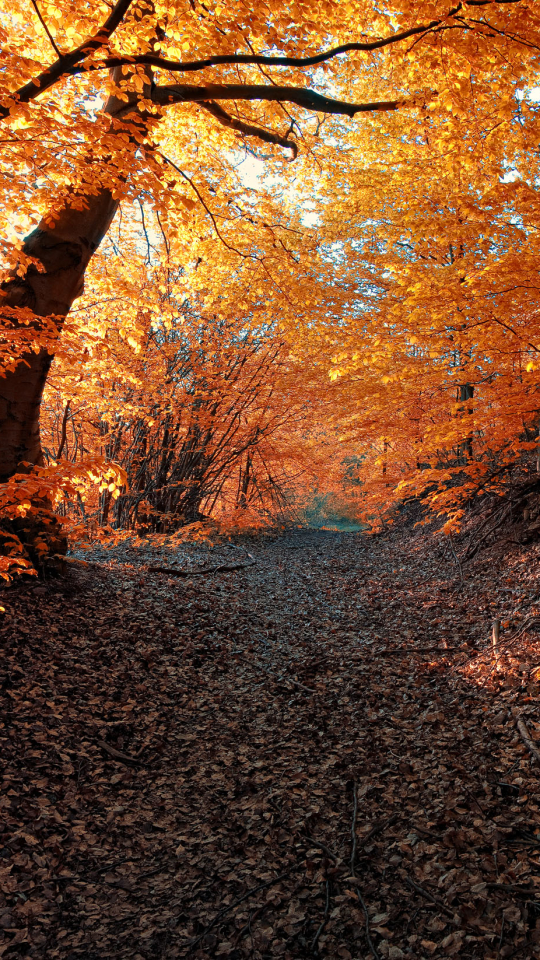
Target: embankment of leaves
x,y
313,754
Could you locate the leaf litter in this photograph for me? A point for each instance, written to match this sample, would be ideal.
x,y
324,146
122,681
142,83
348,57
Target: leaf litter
x,y
314,754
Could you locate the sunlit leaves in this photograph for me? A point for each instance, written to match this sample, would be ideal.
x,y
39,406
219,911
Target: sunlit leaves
x,y
404,245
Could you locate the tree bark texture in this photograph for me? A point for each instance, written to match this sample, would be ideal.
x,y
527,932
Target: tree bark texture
x,y
65,253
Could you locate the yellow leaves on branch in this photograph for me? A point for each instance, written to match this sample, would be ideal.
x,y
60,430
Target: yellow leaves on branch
x,y
392,270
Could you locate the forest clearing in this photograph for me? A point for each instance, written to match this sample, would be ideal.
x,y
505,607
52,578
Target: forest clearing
x,y
269,479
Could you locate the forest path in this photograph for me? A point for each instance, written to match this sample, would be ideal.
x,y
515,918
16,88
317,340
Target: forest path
x,y
175,743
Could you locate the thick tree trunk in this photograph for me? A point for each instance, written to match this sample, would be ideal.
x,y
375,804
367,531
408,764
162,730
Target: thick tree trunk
x,y
64,252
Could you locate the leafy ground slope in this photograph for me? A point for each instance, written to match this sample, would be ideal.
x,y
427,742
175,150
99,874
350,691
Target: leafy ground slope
x,y
313,754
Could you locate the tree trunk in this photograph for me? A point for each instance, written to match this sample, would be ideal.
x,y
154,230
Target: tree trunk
x,y
65,253
466,392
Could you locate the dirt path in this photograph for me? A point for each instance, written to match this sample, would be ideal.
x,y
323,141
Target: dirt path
x,y
185,757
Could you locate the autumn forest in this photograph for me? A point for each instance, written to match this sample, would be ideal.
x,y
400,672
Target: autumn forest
x,y
309,273
269,460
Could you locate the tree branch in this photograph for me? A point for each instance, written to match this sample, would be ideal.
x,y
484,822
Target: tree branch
x,y
285,61
71,63
248,129
46,29
202,201
64,431
65,64
302,96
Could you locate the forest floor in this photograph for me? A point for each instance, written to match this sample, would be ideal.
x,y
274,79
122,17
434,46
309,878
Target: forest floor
x,y
317,753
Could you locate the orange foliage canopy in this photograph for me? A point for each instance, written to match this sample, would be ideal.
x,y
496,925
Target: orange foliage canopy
x,y
389,271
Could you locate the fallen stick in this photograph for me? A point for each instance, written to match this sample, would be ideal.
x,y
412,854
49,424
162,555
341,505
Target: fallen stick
x,y
324,919
371,945
473,549
223,567
510,888
404,652
500,938
503,646
247,926
323,847
531,746
117,754
239,900
377,827
429,896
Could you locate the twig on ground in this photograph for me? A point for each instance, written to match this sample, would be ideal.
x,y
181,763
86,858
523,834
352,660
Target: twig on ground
x,y
321,846
407,650
506,644
510,888
118,755
324,919
475,801
221,568
370,943
353,828
247,926
473,548
239,900
531,746
429,896
377,827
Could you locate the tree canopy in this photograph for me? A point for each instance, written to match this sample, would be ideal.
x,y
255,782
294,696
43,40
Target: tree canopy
x,y
360,316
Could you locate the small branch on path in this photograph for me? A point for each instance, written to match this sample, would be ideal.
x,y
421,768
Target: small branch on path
x,y
353,828
238,901
500,938
524,733
247,926
323,847
377,827
324,919
402,653
504,645
222,568
118,755
371,945
473,548
510,888
429,896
